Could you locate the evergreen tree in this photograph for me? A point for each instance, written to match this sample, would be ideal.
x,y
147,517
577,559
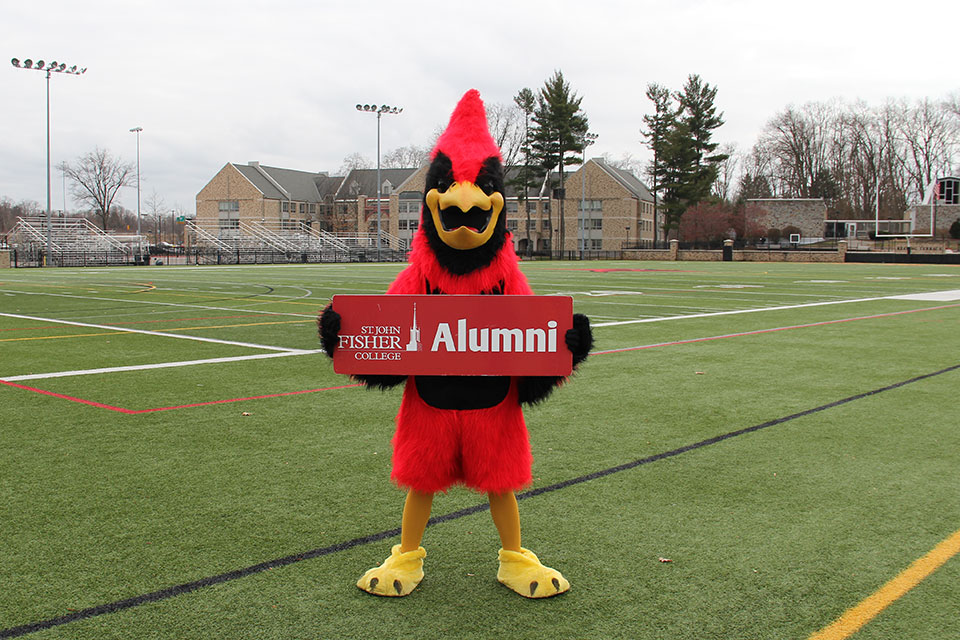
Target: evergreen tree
x,y
699,114
527,177
679,185
659,125
559,132
686,164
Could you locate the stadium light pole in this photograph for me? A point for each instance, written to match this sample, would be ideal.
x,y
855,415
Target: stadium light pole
x,y
137,131
53,67
382,109
588,139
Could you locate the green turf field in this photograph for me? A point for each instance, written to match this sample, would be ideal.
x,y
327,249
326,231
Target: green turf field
x,y
241,497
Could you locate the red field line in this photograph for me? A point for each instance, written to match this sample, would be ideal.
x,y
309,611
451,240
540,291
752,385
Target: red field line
x,y
271,395
110,407
101,405
775,329
92,403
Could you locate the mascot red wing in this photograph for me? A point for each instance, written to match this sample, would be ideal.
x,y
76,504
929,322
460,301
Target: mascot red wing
x,y
465,430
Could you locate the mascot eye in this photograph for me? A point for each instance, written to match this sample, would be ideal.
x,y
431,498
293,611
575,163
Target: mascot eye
x,y
443,184
487,185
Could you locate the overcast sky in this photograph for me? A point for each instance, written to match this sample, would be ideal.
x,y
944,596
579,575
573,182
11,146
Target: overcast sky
x,y
234,81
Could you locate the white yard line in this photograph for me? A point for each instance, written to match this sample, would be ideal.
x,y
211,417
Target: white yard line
x,y
164,304
158,365
739,311
154,333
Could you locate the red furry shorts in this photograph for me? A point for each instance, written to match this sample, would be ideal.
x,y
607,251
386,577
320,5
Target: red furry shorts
x,y
487,450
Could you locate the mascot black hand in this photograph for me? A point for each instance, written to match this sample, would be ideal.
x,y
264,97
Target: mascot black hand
x,y
328,326
579,340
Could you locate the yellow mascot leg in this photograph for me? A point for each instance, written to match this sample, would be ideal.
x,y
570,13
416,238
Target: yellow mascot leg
x,y
403,570
520,569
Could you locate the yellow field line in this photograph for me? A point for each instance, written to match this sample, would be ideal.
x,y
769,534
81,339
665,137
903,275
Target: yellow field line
x,y
853,619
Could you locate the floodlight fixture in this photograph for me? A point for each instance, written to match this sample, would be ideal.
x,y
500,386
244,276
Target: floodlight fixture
x,y
58,68
382,109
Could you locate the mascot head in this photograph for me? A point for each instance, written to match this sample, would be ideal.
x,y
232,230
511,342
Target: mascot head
x,y
463,217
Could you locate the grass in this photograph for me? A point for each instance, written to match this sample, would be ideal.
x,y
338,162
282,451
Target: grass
x,y
772,534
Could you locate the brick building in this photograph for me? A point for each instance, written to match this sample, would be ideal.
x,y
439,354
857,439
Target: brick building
x,y
604,208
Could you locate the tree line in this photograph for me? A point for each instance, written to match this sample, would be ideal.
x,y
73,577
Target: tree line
x,y
859,158
853,154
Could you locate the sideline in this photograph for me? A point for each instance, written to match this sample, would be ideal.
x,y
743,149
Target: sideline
x,y
188,587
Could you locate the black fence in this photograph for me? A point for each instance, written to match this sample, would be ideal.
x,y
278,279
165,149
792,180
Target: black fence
x,y
36,257
903,258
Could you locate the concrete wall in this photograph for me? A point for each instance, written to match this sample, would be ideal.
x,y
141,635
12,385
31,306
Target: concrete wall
x,y
807,214
739,255
946,215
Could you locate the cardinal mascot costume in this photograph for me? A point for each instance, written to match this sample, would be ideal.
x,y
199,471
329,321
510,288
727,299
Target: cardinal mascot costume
x,y
466,430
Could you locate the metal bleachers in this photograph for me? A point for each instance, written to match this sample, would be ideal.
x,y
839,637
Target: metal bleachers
x,y
294,239
73,241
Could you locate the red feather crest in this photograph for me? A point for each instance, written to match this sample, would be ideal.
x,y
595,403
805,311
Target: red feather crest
x,y
467,140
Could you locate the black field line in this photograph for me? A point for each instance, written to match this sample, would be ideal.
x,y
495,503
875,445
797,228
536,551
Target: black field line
x,y
170,592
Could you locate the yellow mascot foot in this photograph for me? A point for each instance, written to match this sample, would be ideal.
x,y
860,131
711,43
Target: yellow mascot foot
x,y
523,573
397,576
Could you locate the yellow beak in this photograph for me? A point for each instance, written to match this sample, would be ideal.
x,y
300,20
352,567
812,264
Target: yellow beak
x,y
467,197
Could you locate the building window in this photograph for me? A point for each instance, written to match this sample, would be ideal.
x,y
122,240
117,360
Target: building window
x,y
513,206
948,191
229,205
596,244
590,205
312,209
596,223
512,225
285,207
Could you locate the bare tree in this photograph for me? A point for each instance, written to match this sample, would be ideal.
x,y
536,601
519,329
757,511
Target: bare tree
x,y
626,162
96,178
506,124
354,161
797,143
928,130
9,212
727,171
155,207
406,157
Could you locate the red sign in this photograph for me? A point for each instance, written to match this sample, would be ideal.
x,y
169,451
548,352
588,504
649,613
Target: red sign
x,y
453,335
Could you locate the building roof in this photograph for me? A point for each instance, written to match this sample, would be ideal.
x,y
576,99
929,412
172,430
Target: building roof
x,y
288,184
363,182
626,179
